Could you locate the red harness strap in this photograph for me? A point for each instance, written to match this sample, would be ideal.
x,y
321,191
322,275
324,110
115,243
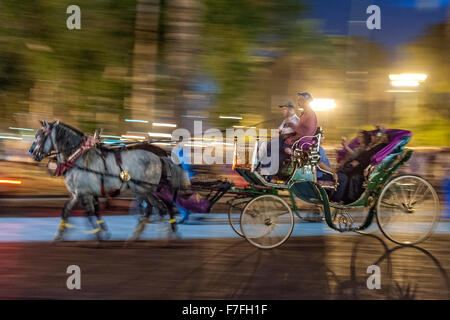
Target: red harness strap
x,y
88,143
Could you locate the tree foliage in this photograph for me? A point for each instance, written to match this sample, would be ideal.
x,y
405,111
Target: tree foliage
x,y
36,46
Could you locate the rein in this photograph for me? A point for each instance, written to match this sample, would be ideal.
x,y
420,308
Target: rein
x,y
105,174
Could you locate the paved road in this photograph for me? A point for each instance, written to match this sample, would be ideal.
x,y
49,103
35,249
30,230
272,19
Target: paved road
x,y
36,219
209,262
317,267
199,226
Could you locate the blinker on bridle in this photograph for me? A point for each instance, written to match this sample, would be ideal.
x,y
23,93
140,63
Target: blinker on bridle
x,y
46,134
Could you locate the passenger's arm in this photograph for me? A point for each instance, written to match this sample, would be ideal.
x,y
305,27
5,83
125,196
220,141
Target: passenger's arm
x,y
326,168
349,150
346,147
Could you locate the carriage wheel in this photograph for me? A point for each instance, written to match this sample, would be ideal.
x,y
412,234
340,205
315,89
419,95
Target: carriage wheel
x,y
235,212
267,221
407,210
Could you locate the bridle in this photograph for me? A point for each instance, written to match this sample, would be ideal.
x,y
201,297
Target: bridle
x,y
46,134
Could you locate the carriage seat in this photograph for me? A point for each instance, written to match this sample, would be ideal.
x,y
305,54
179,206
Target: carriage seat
x,y
255,179
318,130
327,184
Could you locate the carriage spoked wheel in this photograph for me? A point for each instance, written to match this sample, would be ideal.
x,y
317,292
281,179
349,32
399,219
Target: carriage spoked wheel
x,y
267,221
407,210
235,209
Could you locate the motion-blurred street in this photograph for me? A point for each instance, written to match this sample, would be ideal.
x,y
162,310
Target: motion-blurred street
x,y
324,267
207,260
350,98
315,263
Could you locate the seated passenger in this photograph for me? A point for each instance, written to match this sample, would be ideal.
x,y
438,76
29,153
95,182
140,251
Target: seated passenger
x,y
341,178
286,130
364,140
355,169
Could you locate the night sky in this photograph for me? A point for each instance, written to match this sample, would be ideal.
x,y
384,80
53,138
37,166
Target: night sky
x,y
401,20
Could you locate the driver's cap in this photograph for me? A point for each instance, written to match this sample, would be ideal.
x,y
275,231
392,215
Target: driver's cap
x,y
305,95
287,105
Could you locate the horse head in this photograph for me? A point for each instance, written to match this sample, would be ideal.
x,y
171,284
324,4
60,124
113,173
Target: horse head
x,y
42,145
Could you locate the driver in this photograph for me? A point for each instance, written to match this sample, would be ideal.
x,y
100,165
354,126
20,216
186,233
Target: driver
x,y
307,125
294,127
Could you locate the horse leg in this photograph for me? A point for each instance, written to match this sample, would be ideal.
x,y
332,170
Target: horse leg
x,y
108,204
140,227
165,207
100,222
88,203
63,225
173,231
173,221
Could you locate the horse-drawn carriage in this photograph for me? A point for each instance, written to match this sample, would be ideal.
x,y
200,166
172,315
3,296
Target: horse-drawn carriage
x,y
406,206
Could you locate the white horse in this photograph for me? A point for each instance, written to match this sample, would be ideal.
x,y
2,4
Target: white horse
x,y
98,171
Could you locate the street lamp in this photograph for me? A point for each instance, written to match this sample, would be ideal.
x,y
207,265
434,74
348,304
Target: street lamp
x,y
405,83
322,104
407,79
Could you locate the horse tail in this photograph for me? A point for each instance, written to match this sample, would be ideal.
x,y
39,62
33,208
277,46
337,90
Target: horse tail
x,y
176,175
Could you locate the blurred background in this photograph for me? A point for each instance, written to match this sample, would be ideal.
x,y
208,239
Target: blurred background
x,y
138,69
139,66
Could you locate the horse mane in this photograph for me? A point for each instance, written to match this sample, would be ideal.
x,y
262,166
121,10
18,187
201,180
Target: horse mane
x,y
67,138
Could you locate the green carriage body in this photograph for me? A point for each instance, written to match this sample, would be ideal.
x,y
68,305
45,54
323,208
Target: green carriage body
x,y
401,204
303,184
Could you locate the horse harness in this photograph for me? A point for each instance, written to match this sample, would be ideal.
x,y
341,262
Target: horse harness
x,y
124,176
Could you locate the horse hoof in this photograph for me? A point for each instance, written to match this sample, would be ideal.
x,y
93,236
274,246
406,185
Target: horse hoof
x,y
58,238
133,238
106,235
102,235
177,235
137,233
139,229
173,235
